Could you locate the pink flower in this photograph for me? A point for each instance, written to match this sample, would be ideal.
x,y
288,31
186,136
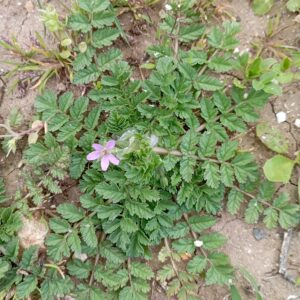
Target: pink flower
x,y
104,153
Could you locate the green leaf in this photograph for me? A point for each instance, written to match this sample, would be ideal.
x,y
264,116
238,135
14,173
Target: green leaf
x,y
233,122
71,212
79,22
227,174
221,271
111,253
197,264
65,101
227,150
74,242
141,270
3,197
111,278
252,212
68,131
208,110
271,218
289,216
93,6
26,287
141,210
245,167
187,166
59,225
102,19
189,142
128,225
79,269
57,247
105,37
200,223
55,286
106,59
110,191
215,37
83,59
79,108
92,120
184,245
47,102
211,174
293,5
220,64
190,32
130,293
213,241
261,7
235,199
235,295
110,212
279,169
84,76
165,273
221,101
267,190
207,143
88,233
29,256
272,138
208,83
78,163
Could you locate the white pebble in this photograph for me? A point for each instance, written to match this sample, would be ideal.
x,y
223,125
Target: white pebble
x,y
81,256
297,123
236,50
198,243
281,117
168,7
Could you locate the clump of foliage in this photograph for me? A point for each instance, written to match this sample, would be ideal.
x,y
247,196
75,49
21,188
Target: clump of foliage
x,y
180,164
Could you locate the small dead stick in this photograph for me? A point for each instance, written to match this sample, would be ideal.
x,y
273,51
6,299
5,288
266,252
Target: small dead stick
x,y
284,254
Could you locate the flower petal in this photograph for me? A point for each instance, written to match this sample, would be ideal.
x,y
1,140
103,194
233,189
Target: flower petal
x,y
97,147
113,159
93,155
104,163
110,144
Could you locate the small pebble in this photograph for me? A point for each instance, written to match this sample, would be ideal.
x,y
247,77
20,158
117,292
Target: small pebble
x,y
258,233
297,123
168,7
281,117
198,243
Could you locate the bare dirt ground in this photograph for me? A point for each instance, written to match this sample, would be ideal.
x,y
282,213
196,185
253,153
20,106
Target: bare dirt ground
x,y
259,257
